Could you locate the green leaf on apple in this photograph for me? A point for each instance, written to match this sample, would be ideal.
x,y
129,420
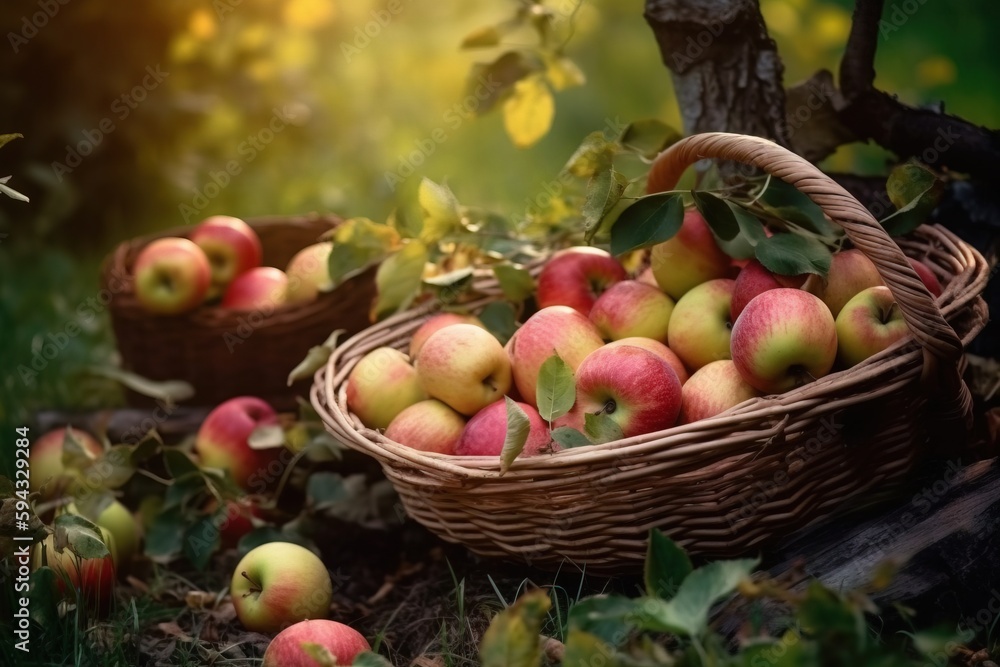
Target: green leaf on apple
x,y
793,254
914,190
717,214
359,243
500,319
515,281
518,428
568,437
650,220
788,203
667,565
201,539
555,391
80,535
440,211
315,359
398,279
604,191
74,455
593,155
648,137
370,659
266,436
319,654
601,428
512,640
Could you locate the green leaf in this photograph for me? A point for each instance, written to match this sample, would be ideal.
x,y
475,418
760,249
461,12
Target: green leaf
x,y
528,112
165,536
80,535
792,254
440,211
500,319
667,565
168,391
608,617
650,220
788,203
146,448
481,38
370,659
43,597
325,488
586,650
7,138
319,654
823,611
184,489
6,487
316,358
201,540
359,243
518,429
398,279
74,455
178,463
555,391
512,639
648,137
91,505
601,428
593,155
515,281
115,466
603,192
266,436
569,438
717,213
448,287
915,191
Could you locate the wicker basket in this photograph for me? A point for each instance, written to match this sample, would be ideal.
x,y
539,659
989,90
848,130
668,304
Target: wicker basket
x,y
224,353
722,486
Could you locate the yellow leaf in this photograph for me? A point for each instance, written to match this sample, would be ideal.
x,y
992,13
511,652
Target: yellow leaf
x,y
528,112
439,208
563,73
481,38
398,279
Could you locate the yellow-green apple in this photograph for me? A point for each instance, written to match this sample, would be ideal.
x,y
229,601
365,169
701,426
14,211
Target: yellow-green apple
x,y
381,385
222,440
630,308
124,529
553,330
660,350
850,272
636,388
309,273
439,321
700,327
262,288
753,279
464,366
485,433
278,584
575,277
429,426
233,520
172,276
926,276
692,256
783,339
713,388
231,246
342,642
90,582
48,476
868,324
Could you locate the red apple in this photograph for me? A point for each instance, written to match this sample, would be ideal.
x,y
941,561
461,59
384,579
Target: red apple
x,y
464,366
927,276
429,426
753,279
231,246
435,322
783,339
309,273
263,288
630,308
660,350
485,433
647,278
868,324
341,641
172,276
850,272
700,327
381,385
222,441
689,258
575,277
713,388
234,520
88,581
48,476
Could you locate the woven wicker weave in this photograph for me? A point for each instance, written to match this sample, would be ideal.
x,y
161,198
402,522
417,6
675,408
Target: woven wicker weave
x,y
721,486
224,353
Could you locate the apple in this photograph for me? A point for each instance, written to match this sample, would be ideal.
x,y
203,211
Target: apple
x,y
119,522
867,324
343,642
231,246
381,385
309,273
429,426
700,327
234,520
660,350
636,388
88,581
647,278
485,433
575,277
926,276
630,308
278,584
262,288
783,339
555,329
172,276
222,440
713,388
464,366
439,321
48,476
689,258
753,279
850,272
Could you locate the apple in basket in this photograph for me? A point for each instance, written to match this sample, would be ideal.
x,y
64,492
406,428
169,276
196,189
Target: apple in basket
x,y
231,246
691,257
309,273
485,433
172,276
712,389
381,385
428,426
630,308
659,349
576,277
435,322
753,279
289,647
464,366
699,327
868,324
850,272
926,276
263,288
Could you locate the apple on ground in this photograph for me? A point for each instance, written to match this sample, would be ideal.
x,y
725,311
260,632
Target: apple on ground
x,y
234,520
90,582
464,366
636,388
123,528
553,330
278,584
428,426
660,350
700,328
689,258
753,279
926,276
850,272
309,273
172,276
222,441
713,388
343,642
485,433
262,288
381,385
576,277
48,476
630,308
231,246
868,324
783,339
439,321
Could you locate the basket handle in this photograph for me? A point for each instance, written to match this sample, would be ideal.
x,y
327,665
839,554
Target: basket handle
x,y
941,345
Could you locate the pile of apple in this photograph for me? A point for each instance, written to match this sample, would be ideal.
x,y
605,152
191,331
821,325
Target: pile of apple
x,y
221,261
693,334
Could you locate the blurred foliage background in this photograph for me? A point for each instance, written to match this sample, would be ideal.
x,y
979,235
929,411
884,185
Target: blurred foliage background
x,y
136,115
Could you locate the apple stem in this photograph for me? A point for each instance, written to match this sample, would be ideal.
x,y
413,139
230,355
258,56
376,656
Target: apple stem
x,y
609,407
254,586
